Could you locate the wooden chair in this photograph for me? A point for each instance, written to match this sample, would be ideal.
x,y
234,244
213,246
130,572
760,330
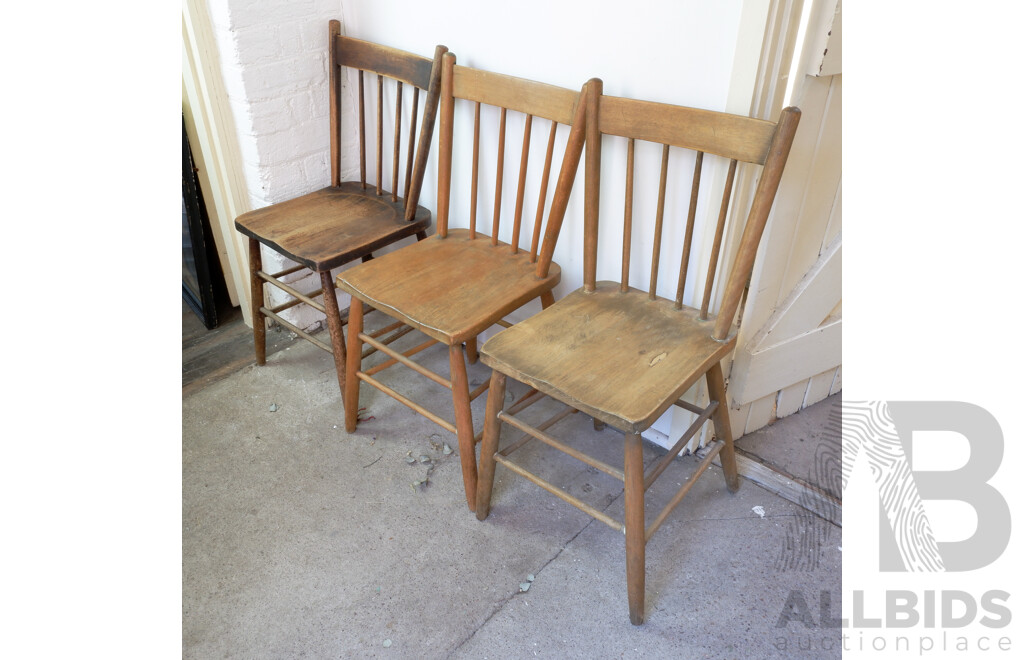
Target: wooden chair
x,y
624,355
460,282
348,220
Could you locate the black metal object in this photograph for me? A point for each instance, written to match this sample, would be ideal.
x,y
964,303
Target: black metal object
x,y
200,283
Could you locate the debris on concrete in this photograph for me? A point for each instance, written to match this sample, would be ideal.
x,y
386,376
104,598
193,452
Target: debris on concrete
x,y
273,407
759,510
446,449
525,586
387,643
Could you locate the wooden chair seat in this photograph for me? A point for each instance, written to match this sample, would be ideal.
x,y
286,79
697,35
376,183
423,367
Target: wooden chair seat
x,y
333,226
641,355
450,289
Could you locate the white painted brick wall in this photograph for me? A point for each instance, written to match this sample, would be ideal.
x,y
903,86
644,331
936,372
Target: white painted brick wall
x,y
274,58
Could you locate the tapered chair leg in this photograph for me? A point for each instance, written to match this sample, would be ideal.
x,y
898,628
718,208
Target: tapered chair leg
x,y
492,432
355,349
471,353
463,420
723,430
636,531
259,322
334,326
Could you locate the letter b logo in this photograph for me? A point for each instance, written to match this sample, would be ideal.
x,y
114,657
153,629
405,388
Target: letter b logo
x,y
883,431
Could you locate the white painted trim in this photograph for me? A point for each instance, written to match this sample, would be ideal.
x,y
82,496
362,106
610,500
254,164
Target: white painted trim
x,y
208,120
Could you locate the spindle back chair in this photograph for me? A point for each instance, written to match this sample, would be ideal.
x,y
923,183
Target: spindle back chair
x,y
349,220
461,282
624,355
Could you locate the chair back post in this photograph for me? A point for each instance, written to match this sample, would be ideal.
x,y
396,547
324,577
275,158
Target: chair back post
x,y
566,174
426,133
774,163
444,162
334,80
592,185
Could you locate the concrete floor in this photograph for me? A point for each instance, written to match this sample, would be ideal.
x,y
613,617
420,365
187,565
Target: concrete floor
x,y
302,540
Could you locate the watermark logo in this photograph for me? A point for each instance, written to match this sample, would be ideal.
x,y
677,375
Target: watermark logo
x,y
882,432
880,436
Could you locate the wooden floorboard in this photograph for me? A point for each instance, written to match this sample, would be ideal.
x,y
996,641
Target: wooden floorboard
x,y
211,355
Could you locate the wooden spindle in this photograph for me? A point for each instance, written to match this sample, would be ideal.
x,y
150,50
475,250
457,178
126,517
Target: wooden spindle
x,y
334,31
476,171
444,160
380,132
688,238
426,133
757,217
627,219
542,196
517,220
362,133
659,221
716,246
412,141
398,142
582,128
498,178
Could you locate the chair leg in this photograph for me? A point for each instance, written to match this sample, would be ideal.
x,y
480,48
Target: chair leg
x,y
352,365
334,326
723,430
471,353
259,322
463,420
492,432
598,425
635,527
547,299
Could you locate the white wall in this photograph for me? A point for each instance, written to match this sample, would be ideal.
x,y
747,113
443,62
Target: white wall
x,y
688,52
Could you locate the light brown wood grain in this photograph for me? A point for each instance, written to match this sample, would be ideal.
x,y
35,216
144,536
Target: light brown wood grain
x,y
618,357
731,136
451,288
525,96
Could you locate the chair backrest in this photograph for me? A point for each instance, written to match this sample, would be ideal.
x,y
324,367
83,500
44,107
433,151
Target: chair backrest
x,y
397,68
732,137
531,99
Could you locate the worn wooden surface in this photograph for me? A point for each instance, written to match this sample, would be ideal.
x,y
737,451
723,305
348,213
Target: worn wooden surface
x,y
332,226
391,62
731,136
619,357
452,288
208,356
526,96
